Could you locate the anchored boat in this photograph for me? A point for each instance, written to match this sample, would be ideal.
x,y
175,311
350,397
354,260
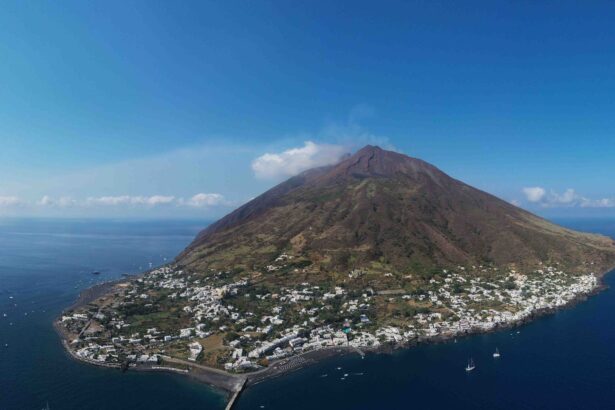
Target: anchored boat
x,y
470,365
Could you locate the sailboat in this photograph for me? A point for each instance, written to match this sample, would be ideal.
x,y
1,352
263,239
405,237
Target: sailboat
x,y
470,365
497,353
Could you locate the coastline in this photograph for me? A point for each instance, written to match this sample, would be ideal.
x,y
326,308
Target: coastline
x,y
233,384
94,292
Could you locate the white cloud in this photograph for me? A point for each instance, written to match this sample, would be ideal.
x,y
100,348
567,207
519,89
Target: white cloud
x,y
296,160
159,200
568,198
46,201
598,203
203,200
110,200
534,194
131,200
539,195
62,202
200,200
10,201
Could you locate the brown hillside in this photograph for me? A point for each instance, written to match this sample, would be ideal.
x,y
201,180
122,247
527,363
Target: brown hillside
x,y
385,209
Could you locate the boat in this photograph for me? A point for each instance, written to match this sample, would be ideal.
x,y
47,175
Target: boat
x,y
497,353
96,272
470,365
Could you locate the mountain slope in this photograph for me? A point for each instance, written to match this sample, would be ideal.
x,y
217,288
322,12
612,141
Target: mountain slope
x,y
383,210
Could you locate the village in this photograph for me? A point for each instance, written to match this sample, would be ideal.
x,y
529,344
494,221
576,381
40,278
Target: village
x,y
224,320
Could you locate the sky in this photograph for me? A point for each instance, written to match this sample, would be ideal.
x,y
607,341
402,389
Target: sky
x,y
189,109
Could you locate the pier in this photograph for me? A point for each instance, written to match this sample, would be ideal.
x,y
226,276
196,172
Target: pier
x,y
235,394
360,352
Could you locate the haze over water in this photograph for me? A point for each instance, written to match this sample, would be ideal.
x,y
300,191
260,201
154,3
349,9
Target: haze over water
x,y
563,361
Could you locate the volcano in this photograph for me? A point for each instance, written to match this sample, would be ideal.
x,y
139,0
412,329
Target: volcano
x,y
379,209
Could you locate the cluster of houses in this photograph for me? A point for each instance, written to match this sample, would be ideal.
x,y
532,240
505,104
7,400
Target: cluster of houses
x,y
459,303
101,354
543,290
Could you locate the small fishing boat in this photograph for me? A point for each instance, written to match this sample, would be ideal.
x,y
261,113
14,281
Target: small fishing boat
x,y
470,365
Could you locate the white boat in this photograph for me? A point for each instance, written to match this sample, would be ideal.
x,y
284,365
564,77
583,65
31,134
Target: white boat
x,y
470,365
497,353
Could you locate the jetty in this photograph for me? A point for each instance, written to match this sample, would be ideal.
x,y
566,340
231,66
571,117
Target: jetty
x,y
359,351
236,394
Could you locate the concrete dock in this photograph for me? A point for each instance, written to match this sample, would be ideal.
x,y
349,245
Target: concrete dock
x,y
235,394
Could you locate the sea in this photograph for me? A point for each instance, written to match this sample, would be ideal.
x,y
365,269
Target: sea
x,y
564,360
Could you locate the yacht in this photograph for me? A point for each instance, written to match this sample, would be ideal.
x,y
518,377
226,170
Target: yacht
x,y
497,353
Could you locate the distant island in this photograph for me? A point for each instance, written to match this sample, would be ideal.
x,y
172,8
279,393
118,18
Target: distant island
x,y
378,251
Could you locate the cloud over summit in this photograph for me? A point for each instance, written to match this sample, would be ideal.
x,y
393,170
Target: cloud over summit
x,y
296,160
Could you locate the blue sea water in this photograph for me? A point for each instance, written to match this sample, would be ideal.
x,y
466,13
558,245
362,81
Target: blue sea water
x,y
44,264
561,361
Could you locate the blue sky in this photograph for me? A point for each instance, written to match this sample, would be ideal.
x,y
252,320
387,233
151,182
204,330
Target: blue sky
x,y
170,108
